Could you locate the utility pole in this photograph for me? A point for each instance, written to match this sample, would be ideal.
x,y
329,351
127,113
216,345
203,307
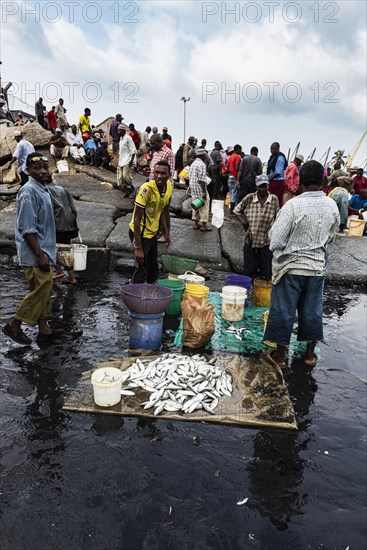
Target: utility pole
x,y
185,100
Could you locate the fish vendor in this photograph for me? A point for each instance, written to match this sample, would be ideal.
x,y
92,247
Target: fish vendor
x,y
299,238
257,212
151,211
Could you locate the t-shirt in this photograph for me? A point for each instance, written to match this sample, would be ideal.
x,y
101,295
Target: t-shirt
x,y
150,198
232,161
357,203
359,183
84,123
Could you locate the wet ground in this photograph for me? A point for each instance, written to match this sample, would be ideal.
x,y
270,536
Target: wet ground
x,y
75,481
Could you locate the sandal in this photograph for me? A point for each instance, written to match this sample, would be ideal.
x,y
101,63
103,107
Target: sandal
x,y
197,227
58,276
311,363
69,282
206,229
17,335
269,357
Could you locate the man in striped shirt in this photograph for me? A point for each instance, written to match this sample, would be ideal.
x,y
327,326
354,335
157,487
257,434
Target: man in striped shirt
x,y
162,152
299,238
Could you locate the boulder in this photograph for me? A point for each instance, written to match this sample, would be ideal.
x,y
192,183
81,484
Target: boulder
x,y
233,239
32,131
96,222
112,198
100,174
79,184
7,226
178,197
188,243
118,239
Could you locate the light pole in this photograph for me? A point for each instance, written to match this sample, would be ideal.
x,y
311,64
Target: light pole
x,y
185,100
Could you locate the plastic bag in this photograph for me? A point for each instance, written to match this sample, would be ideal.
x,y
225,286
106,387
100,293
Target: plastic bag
x,y
197,320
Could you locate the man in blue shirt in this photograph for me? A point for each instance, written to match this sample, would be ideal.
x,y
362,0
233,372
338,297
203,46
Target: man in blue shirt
x,y
35,237
358,201
22,150
277,164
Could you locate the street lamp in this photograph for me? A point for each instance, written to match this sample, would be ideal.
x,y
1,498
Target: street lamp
x,y
185,100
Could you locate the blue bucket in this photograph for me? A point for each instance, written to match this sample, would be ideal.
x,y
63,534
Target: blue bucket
x,y
242,281
145,330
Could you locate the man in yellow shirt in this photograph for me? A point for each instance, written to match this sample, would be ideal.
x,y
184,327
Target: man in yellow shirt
x,y
151,211
84,122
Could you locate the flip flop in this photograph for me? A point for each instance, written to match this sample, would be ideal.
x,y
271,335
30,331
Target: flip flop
x,y
199,227
68,282
58,276
312,363
269,357
206,229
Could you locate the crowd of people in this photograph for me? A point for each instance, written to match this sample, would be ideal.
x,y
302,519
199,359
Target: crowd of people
x,y
290,213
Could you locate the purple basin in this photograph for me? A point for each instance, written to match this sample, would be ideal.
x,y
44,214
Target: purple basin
x,y
146,299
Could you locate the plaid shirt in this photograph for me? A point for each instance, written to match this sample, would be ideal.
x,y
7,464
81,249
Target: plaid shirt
x,y
163,154
197,173
259,217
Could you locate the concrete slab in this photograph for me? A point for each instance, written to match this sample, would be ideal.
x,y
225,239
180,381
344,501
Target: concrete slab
x,y
100,174
79,184
347,262
188,243
112,198
118,239
7,227
178,197
95,221
232,237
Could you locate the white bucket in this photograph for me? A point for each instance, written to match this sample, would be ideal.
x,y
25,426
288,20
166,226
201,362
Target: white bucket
x,y
190,277
80,252
62,166
233,303
107,386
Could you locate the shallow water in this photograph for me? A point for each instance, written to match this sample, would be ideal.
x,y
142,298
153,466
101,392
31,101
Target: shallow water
x,y
75,481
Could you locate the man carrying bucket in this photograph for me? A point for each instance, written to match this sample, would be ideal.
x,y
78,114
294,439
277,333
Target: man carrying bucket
x,y
198,190
35,237
151,211
304,228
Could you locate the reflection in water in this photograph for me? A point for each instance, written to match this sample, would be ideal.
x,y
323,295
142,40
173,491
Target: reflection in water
x,y
276,471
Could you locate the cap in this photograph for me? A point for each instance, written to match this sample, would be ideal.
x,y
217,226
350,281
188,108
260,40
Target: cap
x,y
300,157
97,135
17,133
164,129
121,127
200,152
192,138
58,130
262,180
230,149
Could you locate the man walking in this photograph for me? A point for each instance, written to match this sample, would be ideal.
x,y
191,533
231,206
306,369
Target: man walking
x,y
197,188
299,239
276,166
257,213
291,178
36,246
127,152
22,150
151,211
250,167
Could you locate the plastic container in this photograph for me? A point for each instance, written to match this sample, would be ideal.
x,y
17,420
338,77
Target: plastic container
x,y
242,281
107,386
80,252
262,293
356,228
62,166
191,278
146,299
233,302
197,203
198,291
146,330
177,287
177,265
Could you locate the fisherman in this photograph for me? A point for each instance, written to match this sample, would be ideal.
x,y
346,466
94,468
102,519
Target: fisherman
x,y
165,134
340,194
359,181
358,201
198,189
84,122
338,172
127,152
161,152
216,158
291,177
40,112
59,147
151,211
250,167
299,240
60,113
75,142
36,246
189,146
257,213
277,164
51,119
234,162
114,132
22,150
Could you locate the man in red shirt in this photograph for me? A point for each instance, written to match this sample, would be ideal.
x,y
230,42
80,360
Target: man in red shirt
x,y
51,119
359,182
291,178
234,162
134,136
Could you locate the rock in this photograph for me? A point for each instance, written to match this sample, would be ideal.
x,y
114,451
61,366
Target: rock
x,y
95,221
347,261
178,197
7,192
79,184
233,239
100,174
186,210
113,198
125,265
7,224
119,240
198,245
32,132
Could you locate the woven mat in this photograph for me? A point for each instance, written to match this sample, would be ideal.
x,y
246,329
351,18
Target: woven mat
x,y
251,343
260,397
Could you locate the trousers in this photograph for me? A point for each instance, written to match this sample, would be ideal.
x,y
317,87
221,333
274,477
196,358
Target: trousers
x,y
37,304
257,261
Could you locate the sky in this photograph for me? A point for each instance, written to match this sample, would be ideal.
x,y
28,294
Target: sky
x,y
255,72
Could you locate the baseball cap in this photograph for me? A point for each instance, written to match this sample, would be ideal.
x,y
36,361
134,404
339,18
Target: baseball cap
x,y
300,157
261,180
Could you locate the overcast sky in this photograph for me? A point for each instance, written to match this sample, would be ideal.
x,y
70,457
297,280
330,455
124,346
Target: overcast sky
x,y
255,72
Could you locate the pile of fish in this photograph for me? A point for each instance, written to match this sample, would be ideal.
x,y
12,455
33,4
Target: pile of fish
x,y
237,332
178,383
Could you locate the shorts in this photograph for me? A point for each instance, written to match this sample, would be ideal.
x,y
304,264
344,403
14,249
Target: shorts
x,y
232,188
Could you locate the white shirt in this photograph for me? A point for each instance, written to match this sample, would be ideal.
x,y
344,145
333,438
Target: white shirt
x,y
22,150
74,139
126,150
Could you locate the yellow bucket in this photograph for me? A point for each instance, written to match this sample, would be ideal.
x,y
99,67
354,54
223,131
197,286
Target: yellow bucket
x,y
198,291
262,293
267,342
356,228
